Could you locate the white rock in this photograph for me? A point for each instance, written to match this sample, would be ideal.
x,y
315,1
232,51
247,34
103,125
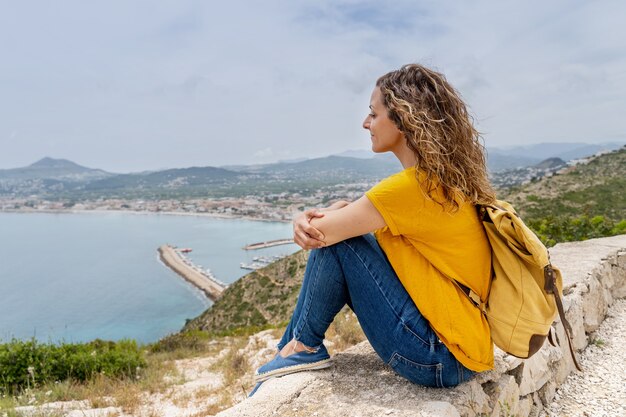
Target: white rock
x,y
535,372
438,409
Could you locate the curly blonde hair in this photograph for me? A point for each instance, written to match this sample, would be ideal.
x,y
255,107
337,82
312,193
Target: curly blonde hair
x,y
439,130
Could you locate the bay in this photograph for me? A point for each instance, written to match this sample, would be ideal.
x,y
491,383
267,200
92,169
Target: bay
x,y
77,277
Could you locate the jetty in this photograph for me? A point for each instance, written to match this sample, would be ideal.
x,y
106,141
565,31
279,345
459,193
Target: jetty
x,y
267,244
202,279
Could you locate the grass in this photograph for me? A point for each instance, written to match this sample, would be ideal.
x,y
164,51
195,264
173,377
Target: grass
x,y
161,375
234,364
598,342
345,331
101,390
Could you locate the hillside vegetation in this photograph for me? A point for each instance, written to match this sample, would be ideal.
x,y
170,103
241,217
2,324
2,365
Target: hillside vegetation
x,y
263,298
586,201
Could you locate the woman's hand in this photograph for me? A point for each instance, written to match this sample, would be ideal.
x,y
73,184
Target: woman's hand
x,y
305,235
354,219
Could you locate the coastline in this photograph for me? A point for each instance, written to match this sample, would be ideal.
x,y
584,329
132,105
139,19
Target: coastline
x,y
148,212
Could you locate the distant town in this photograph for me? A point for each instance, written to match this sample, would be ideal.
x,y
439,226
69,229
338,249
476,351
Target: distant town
x,y
274,192
272,207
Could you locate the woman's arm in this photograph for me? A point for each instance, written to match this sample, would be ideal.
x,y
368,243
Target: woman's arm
x,y
307,236
335,206
355,219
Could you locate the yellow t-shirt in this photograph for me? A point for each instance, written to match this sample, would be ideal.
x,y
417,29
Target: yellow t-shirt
x,y
423,242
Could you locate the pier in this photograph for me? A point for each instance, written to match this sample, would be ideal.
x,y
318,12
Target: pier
x,y
269,243
201,279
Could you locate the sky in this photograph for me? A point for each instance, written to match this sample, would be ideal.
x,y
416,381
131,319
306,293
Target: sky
x,y
128,86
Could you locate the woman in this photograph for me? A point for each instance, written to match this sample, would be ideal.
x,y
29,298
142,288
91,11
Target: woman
x,y
426,230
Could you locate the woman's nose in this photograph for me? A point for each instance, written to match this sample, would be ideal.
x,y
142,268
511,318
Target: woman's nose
x,y
366,123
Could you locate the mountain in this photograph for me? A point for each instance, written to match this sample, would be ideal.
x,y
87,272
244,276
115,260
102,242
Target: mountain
x,y
170,178
517,157
50,168
337,167
511,157
563,150
62,179
292,177
550,163
330,168
511,177
59,178
498,161
48,176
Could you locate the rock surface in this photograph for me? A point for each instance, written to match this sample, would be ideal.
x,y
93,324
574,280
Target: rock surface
x,y
601,389
360,384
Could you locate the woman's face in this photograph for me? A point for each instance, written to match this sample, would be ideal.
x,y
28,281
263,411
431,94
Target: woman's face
x,y
384,133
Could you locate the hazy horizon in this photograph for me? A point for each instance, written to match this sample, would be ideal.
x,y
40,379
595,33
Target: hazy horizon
x,y
362,153
129,87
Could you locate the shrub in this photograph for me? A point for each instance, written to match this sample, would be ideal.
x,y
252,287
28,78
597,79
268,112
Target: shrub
x,y
26,364
194,340
293,268
552,230
619,228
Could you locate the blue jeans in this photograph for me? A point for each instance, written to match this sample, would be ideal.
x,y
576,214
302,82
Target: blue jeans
x,y
356,272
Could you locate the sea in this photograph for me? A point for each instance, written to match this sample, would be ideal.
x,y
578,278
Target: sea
x,y
75,277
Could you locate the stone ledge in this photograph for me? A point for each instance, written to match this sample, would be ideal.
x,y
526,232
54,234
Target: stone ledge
x,y
360,384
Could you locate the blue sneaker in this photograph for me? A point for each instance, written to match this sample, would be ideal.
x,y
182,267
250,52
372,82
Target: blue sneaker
x,y
296,362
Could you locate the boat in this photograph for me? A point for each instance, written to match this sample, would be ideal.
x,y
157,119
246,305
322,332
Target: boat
x,y
253,266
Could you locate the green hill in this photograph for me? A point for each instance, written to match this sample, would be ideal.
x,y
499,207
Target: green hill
x,y
584,201
263,298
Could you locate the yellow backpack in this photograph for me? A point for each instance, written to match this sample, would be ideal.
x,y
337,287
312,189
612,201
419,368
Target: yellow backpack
x,y
526,289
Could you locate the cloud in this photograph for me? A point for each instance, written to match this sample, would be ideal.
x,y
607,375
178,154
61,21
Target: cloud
x,y
270,155
133,86
264,153
378,16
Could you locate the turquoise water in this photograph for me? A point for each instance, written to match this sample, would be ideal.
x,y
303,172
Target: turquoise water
x,y
77,277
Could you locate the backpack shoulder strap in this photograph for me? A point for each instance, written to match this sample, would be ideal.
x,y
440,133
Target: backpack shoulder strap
x,y
550,280
471,295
